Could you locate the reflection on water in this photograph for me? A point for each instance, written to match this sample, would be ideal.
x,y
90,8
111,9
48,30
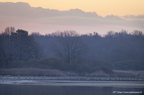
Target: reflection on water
x,y
65,90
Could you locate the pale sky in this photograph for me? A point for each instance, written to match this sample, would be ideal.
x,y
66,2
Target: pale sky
x,y
83,16
101,7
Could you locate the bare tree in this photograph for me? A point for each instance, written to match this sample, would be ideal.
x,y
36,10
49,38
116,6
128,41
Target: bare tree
x,y
69,46
9,30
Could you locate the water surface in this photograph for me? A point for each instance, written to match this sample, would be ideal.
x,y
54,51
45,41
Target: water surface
x,y
47,87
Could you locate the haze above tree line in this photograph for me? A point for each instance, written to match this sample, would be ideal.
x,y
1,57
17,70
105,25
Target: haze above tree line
x,y
47,20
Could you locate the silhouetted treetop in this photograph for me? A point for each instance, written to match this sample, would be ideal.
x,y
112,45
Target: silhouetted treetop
x,y
21,32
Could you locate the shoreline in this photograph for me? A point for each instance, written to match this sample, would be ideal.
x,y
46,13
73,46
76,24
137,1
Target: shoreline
x,y
130,84
72,81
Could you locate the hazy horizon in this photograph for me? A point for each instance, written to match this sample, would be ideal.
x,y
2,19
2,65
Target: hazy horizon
x,y
47,20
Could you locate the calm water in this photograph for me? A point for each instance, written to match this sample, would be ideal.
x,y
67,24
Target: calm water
x,y
9,89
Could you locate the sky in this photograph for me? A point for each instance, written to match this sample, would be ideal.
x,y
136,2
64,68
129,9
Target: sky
x,y
102,7
83,16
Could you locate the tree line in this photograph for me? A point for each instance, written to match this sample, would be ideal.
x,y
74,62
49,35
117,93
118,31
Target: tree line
x,y
67,50
16,45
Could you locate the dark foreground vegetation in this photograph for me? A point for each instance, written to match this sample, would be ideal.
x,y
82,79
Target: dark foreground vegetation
x,y
70,52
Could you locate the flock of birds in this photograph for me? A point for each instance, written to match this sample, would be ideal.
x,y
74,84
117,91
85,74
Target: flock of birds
x,y
77,78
